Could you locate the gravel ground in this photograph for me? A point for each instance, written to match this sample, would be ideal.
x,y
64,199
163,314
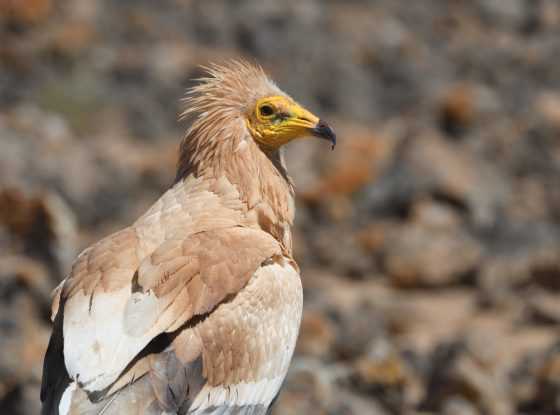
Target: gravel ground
x,y
429,240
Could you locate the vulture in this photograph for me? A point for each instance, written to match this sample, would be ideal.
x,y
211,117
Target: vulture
x,y
194,308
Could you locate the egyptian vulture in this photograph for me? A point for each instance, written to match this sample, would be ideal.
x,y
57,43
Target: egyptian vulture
x,y
195,308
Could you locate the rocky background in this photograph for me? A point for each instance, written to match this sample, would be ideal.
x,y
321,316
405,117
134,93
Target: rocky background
x,y
429,240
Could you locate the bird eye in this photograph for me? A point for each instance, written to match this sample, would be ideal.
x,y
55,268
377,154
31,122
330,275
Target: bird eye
x,y
266,110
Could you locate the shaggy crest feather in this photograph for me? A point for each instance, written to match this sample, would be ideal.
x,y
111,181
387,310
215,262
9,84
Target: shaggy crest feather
x,y
233,86
219,103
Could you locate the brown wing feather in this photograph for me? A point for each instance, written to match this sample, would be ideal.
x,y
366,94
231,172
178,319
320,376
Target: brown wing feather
x,y
106,265
190,277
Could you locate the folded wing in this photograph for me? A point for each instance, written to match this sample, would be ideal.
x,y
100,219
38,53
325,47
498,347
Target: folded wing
x,y
115,303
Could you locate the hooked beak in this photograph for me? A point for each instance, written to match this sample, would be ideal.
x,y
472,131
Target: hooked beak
x,y
323,130
309,124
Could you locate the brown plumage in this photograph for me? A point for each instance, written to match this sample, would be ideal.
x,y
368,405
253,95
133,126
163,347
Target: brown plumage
x,y
194,308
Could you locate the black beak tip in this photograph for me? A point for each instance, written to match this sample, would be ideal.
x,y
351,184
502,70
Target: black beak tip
x,y
323,130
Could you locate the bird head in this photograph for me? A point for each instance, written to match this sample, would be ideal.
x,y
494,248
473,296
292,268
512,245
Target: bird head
x,y
241,92
277,119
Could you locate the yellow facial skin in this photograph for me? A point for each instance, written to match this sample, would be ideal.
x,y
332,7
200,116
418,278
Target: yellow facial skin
x,y
277,120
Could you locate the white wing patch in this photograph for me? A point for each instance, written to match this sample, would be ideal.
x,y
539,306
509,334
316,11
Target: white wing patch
x,y
140,313
99,343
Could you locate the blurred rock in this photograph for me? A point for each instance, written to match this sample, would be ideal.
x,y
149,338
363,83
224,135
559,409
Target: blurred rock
x,y
24,334
41,226
426,165
457,110
417,321
539,376
544,307
452,175
459,406
418,255
73,38
503,11
467,369
342,253
25,12
548,105
317,335
353,309
518,258
384,373
312,388
352,166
